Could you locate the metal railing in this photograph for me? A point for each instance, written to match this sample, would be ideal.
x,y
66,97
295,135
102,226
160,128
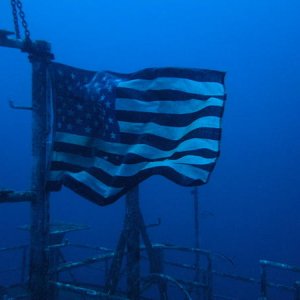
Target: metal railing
x,y
187,287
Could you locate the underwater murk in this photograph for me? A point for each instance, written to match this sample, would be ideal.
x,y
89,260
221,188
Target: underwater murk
x,y
235,237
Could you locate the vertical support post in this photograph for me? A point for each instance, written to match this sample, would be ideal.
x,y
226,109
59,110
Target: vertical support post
x,y
54,256
39,230
263,282
155,257
133,244
24,261
197,238
209,279
297,290
196,222
158,255
113,275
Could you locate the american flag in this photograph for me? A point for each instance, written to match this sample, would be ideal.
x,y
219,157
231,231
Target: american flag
x,y
112,131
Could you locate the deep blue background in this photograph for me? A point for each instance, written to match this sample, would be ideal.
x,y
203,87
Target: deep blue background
x,y
253,193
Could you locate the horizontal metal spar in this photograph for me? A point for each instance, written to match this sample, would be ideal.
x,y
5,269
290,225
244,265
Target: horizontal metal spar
x,y
18,107
60,227
66,243
6,41
181,248
11,196
82,263
90,247
36,48
253,280
86,291
189,283
14,248
273,264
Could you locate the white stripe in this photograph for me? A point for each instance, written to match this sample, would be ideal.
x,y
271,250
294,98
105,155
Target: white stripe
x,y
138,149
83,161
168,107
131,170
173,83
93,183
126,169
76,139
154,153
180,165
169,132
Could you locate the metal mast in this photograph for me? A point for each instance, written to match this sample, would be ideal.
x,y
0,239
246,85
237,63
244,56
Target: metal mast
x,y
39,230
39,56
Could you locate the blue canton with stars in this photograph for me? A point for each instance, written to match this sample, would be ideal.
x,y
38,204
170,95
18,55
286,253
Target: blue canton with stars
x,y
85,103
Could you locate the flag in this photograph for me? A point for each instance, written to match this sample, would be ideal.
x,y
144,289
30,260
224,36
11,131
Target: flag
x,y
111,130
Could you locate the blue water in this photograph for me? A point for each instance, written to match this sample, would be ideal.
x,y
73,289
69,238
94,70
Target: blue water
x,y
253,194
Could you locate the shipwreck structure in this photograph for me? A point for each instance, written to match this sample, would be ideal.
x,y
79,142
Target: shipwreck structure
x,y
137,268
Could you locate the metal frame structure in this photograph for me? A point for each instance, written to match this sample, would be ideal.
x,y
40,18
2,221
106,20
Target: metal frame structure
x,y
39,56
203,289
46,241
